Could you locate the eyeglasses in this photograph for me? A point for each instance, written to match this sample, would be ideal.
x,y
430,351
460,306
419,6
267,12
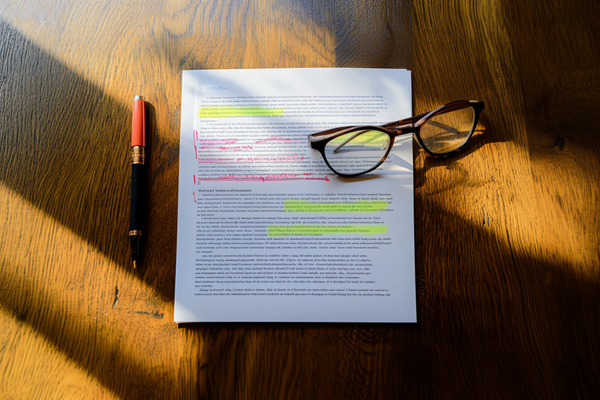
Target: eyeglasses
x,y
356,150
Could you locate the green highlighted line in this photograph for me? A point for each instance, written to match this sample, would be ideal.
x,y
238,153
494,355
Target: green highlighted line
x,y
238,111
358,206
294,230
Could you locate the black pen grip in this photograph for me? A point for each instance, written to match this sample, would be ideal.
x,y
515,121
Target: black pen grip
x,y
136,220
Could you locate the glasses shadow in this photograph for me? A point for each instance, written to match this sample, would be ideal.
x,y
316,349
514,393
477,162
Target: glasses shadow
x,y
427,162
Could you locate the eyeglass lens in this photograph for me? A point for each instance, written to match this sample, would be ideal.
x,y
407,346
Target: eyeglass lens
x,y
448,131
357,151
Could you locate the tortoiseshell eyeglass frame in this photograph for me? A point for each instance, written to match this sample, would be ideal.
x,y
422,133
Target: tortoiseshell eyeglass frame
x,y
396,128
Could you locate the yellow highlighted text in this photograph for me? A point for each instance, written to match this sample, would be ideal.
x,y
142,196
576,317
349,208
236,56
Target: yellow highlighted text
x,y
238,111
294,230
358,206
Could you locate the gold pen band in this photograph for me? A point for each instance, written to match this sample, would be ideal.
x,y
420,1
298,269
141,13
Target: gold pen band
x,y
137,155
135,233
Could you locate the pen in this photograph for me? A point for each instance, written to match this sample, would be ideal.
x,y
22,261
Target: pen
x,y
138,141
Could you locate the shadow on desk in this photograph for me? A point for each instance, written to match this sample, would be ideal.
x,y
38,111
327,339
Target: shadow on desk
x,y
66,149
501,312
424,162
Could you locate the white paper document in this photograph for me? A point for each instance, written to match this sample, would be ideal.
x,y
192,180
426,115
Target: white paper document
x,y
266,232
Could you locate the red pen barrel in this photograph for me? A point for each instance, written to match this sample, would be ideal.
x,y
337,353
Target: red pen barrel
x,y
138,141
138,122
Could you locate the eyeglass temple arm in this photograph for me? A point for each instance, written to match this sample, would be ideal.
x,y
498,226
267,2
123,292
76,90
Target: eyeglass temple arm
x,y
314,138
444,126
404,123
349,139
320,135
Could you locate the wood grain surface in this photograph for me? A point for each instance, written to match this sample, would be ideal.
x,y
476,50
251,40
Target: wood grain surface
x,y
507,242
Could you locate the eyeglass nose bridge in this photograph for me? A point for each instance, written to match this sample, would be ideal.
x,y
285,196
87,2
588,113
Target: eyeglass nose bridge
x,y
404,129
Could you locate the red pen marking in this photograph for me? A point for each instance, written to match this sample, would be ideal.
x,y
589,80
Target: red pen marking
x,y
268,159
194,179
273,139
215,160
265,178
217,142
278,139
194,193
250,159
225,148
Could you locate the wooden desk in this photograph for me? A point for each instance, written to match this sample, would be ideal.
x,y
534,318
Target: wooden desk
x,y
508,259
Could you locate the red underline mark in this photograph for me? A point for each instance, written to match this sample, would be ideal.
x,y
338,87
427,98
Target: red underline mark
x,y
278,139
250,159
225,148
265,178
215,160
216,142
